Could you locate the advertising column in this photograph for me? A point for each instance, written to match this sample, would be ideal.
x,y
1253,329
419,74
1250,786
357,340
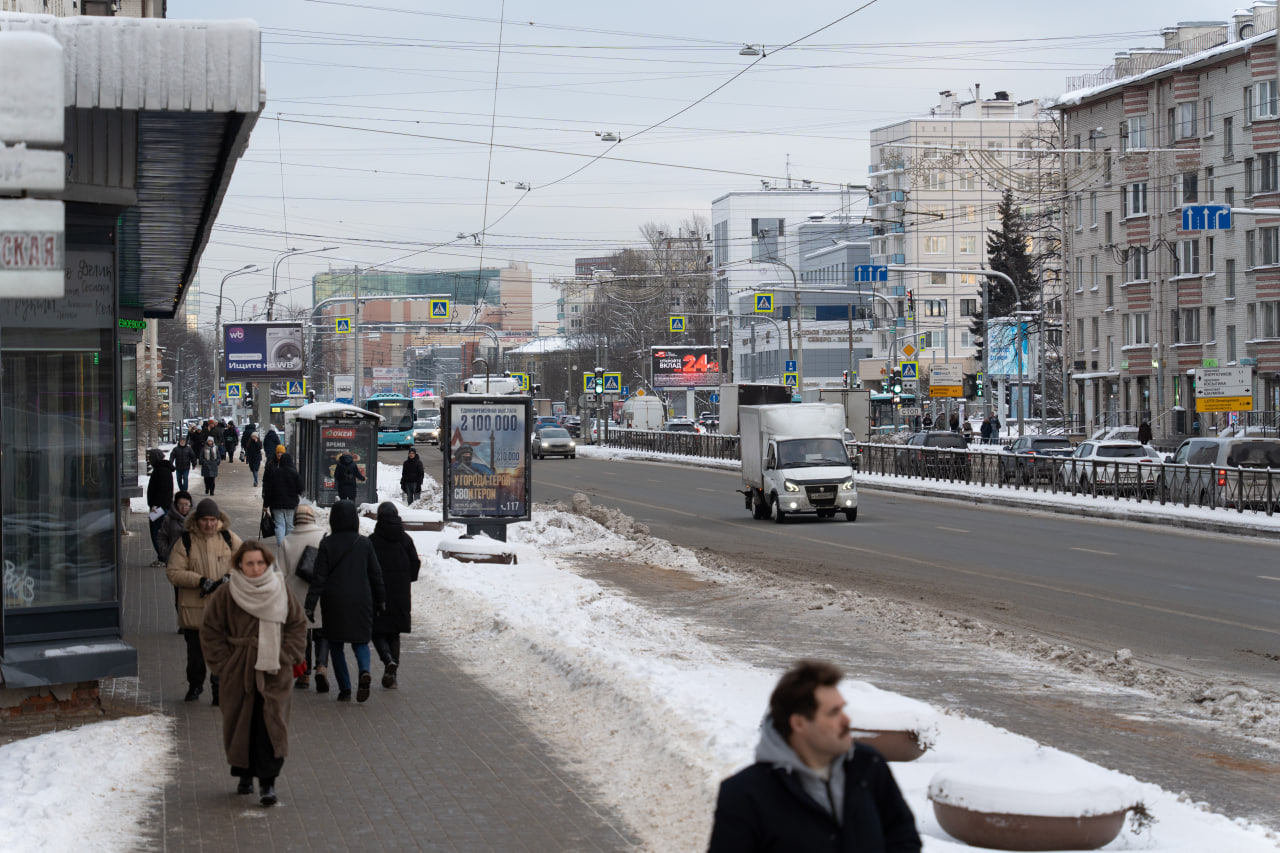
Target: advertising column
x,y
486,475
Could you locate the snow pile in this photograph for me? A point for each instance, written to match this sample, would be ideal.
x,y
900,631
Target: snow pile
x,y
46,805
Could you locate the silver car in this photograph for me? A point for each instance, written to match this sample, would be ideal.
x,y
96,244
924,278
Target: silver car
x,y
553,441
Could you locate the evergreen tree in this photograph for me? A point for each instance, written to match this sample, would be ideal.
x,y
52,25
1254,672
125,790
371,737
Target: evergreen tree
x,y
1008,251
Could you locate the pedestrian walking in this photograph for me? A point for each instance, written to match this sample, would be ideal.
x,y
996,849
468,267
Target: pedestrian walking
x,y
399,561
231,438
269,442
159,498
249,429
273,459
173,524
955,422
1144,433
348,587
209,462
812,787
252,637
183,458
253,454
306,533
347,477
411,477
986,430
199,562
928,421
218,431
968,432
281,491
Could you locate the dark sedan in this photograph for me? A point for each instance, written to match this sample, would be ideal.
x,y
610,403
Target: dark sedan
x,y
1034,457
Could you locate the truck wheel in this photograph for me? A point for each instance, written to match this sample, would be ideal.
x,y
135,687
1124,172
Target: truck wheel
x,y
851,514
779,517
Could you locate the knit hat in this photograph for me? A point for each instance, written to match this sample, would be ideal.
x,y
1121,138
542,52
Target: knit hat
x,y
304,513
387,511
183,495
207,508
279,450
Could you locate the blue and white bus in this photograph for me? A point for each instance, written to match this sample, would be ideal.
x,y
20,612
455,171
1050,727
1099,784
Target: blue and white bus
x,y
396,429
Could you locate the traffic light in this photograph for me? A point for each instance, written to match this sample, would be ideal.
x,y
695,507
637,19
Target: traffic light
x,y
911,301
896,382
978,384
247,397
599,380
846,378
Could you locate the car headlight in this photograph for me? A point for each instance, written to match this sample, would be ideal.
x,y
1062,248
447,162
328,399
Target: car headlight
x,y
790,486
847,485
545,444
572,444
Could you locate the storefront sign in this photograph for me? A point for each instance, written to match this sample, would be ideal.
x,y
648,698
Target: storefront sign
x,y
487,471
32,259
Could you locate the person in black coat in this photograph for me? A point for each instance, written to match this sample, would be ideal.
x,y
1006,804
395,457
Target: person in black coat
x,y
231,438
281,490
398,557
253,453
348,586
269,442
411,476
347,477
183,458
159,499
808,770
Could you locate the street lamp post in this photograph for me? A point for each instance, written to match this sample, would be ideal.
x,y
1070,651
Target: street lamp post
x,y
275,267
217,320
795,289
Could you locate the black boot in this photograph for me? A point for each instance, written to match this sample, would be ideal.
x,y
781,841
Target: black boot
x,y
362,691
213,684
268,789
245,786
193,694
389,676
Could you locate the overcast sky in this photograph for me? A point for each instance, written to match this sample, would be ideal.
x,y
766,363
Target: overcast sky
x,y
393,126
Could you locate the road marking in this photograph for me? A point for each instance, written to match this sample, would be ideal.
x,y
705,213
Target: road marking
x,y
715,491
952,529
1091,551
1267,578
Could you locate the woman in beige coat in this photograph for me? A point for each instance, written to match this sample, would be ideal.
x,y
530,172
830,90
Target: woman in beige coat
x,y
199,562
252,636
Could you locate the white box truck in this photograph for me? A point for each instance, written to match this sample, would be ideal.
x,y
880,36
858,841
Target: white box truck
x,y
794,461
643,413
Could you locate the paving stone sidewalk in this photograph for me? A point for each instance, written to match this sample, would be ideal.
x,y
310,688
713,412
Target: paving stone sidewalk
x,y
439,764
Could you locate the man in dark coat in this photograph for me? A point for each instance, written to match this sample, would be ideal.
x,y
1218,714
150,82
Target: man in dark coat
x,y
232,439
269,442
411,477
398,557
159,499
218,431
347,477
811,787
183,458
1144,432
348,586
955,422
281,490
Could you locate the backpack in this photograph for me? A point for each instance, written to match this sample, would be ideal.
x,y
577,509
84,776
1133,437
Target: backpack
x,y
186,539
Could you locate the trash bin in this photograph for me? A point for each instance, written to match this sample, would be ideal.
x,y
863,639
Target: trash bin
x,y
1179,420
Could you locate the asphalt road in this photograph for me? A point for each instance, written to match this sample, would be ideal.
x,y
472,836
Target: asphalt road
x,y
1203,604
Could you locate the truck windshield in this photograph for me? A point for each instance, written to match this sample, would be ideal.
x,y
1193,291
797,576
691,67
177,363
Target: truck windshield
x,y
811,453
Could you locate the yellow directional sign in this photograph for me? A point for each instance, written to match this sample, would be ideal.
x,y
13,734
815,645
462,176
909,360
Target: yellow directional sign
x,y
1215,404
677,324
342,325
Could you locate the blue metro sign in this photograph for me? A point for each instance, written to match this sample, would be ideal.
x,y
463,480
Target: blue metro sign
x,y
1206,217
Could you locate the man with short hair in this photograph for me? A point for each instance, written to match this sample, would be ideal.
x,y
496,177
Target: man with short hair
x,y
812,788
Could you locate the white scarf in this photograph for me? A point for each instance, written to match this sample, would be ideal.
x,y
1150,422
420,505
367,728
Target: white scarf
x,y
264,597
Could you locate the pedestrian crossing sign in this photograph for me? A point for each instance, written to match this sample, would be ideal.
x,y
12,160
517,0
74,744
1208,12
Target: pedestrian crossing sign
x,y
342,325
296,388
235,390
764,303
910,371
522,379
791,380
677,324
612,383
439,309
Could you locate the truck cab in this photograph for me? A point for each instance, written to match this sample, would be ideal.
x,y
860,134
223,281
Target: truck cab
x,y
794,461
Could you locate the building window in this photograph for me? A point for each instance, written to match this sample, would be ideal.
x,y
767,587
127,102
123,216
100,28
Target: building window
x,y
1134,200
1079,275
1111,291
1078,219
1079,153
1208,183
1093,209
1125,332
1189,257
1208,254
1208,116
937,278
1187,120
1251,320
1248,104
1106,219
1079,335
971,213
968,245
1093,326
1210,321
1270,240
1231,278
1231,344
933,181
1267,172
935,308
1136,136
1228,138
1190,325
1264,99
1250,240
969,307
1106,166
1141,329
1248,176
1093,272
1189,187
935,245
966,339
968,181
1229,196
1137,264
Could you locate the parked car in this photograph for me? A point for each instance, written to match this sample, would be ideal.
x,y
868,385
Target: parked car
x,y
1033,457
1108,465
709,422
1126,432
1224,471
680,425
934,453
553,441
427,430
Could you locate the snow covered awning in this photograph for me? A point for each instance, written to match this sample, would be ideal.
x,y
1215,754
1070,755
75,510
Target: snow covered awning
x,y
158,111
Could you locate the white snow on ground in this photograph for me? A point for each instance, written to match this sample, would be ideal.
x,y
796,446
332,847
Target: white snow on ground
x,y
46,805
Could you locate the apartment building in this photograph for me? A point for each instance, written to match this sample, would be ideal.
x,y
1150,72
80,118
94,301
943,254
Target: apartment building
x,y
1194,121
935,184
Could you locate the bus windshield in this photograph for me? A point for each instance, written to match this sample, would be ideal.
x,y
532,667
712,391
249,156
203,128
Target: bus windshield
x,y
397,414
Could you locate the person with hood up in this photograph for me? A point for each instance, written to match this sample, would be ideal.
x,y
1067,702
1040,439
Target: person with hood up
x,y
347,477
812,788
305,532
348,586
269,442
253,454
231,438
398,558
209,462
281,491
159,499
411,477
183,458
199,562
252,637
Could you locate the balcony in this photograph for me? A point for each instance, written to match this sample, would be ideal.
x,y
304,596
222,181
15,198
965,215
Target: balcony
x,y
898,259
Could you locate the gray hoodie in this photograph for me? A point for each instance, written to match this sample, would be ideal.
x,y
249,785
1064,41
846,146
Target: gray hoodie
x,y
827,793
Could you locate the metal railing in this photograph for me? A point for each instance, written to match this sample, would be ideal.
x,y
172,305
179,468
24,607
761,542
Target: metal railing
x,y
705,445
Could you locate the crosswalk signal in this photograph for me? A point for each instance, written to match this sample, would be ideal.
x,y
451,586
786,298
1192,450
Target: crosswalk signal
x,y
978,384
846,379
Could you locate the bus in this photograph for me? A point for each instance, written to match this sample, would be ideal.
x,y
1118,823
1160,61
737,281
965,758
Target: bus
x,y
396,429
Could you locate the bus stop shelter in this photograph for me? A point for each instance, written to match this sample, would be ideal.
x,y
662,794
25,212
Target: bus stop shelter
x,y
320,433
